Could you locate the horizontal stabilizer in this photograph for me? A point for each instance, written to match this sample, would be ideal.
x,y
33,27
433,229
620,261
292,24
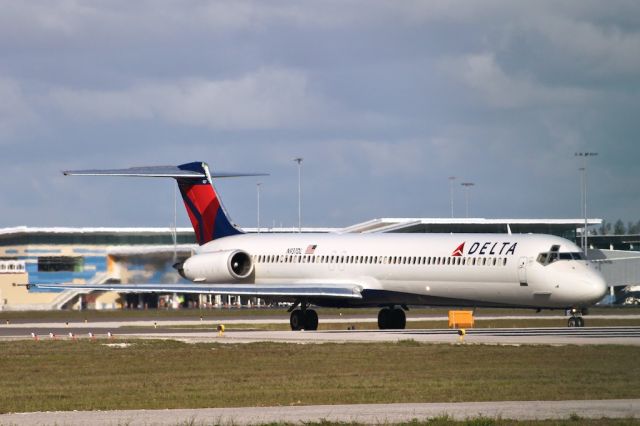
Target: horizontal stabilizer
x,y
344,291
156,171
195,182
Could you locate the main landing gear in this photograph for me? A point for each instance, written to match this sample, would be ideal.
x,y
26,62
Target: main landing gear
x,y
392,318
576,319
303,318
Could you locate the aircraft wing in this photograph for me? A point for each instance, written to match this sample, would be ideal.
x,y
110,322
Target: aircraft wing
x,y
341,290
614,259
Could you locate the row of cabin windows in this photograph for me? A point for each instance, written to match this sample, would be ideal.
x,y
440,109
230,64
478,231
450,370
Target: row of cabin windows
x,y
383,260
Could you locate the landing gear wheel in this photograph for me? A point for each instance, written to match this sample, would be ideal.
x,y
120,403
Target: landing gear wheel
x,y
579,322
310,320
399,319
304,320
296,320
571,322
391,318
384,319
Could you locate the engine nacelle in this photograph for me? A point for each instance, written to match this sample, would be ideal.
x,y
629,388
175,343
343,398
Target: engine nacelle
x,y
220,266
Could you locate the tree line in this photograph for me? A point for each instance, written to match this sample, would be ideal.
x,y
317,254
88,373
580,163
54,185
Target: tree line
x,y
616,228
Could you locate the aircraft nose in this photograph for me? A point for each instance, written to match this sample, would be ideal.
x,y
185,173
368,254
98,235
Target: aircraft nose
x,y
595,288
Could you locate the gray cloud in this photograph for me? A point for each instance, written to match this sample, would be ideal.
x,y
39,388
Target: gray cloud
x,y
15,111
496,88
265,99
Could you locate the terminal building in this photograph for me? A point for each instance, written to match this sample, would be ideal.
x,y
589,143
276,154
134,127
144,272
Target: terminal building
x,y
146,255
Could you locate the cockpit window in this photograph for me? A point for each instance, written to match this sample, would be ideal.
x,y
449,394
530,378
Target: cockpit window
x,y
542,258
578,255
554,254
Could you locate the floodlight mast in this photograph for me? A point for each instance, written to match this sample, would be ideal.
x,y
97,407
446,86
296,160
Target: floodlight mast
x,y
299,161
467,185
451,179
585,156
258,185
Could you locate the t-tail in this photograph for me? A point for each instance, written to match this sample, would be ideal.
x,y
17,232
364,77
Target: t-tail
x,y
207,214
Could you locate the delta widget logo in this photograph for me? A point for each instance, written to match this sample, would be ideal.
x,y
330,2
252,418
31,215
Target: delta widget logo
x,y
459,251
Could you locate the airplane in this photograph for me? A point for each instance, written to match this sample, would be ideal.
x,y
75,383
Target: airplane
x,y
389,271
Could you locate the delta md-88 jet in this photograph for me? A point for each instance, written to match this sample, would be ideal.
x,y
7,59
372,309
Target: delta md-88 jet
x,y
385,270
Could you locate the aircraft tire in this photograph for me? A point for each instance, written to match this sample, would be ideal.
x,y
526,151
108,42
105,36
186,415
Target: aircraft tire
x,y
296,320
399,319
579,322
310,320
572,322
384,319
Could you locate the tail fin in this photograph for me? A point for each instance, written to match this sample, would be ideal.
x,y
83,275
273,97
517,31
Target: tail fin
x,y
208,217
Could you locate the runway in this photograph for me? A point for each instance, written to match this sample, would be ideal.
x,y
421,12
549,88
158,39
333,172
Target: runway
x,y
206,332
551,336
361,413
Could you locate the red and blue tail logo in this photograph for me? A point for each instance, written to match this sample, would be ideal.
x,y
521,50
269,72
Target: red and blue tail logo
x,y
203,205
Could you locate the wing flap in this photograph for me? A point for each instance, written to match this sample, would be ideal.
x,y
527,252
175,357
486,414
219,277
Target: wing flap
x,y
343,291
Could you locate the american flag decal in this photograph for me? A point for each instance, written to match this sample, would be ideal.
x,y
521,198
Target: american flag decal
x,y
311,249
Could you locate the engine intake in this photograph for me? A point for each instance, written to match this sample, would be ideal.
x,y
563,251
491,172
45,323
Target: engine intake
x,y
220,266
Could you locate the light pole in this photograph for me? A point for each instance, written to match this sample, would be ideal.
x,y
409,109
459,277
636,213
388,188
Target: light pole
x,y
467,185
583,169
451,179
258,185
299,161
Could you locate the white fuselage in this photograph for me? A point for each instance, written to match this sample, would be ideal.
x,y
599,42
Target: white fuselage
x,y
428,269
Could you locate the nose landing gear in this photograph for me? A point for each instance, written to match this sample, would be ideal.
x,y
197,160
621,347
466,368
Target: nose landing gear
x,y
576,319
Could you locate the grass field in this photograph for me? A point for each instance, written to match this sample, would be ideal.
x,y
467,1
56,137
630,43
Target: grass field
x,y
85,375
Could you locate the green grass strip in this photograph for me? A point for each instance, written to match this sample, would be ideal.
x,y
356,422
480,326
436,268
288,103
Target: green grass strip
x,y
85,375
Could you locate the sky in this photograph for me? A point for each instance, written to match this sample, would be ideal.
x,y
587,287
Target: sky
x,y
384,100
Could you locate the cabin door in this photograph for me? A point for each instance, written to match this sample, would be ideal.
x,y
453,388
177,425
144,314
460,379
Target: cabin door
x,y
522,271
